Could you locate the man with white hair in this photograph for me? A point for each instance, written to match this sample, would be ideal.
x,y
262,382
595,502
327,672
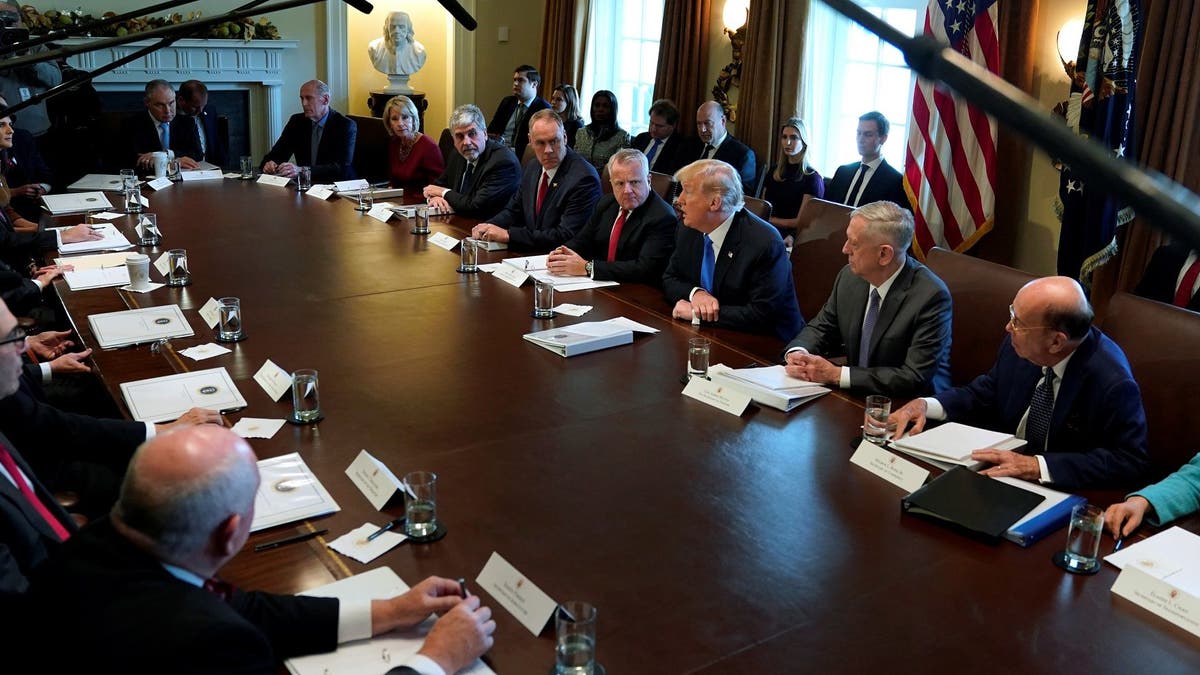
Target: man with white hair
x,y
319,137
137,591
730,267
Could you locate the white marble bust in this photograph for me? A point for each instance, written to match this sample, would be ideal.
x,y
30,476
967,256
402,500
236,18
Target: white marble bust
x,y
397,54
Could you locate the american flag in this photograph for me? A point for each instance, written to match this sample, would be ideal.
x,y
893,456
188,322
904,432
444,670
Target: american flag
x,y
950,168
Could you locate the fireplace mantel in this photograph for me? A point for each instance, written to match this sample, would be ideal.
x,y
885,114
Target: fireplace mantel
x,y
256,66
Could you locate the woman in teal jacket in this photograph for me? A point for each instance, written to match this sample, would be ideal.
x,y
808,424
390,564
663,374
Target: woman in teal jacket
x,y
1173,497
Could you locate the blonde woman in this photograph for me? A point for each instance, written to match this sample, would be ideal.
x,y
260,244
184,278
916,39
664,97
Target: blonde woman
x,y
791,178
414,159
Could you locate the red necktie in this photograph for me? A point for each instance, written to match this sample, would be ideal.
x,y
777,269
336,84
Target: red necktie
x,y
616,234
1183,294
545,184
10,465
221,589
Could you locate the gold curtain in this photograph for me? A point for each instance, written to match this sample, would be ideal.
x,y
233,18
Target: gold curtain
x,y
771,67
564,41
1166,124
683,58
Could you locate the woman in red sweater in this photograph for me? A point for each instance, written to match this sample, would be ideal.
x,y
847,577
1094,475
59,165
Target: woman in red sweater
x,y
413,158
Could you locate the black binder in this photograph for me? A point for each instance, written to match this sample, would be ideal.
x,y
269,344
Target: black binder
x,y
975,504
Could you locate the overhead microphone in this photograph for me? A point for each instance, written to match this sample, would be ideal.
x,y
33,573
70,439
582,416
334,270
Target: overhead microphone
x,y
458,12
361,5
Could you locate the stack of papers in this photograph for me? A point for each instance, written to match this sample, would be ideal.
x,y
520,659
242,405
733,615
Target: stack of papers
x,y
76,202
770,386
99,277
581,338
1172,556
97,181
163,399
289,491
93,262
952,443
410,211
136,326
111,240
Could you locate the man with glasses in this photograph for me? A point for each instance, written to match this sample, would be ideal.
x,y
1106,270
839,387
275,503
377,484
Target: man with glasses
x,y
1060,384
630,236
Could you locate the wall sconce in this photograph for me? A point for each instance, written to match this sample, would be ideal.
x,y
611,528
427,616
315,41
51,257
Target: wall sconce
x,y
1068,43
734,18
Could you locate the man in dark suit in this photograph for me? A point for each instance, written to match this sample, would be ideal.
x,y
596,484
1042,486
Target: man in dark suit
x,y
558,191
320,138
481,176
899,306
1172,276
872,179
717,143
729,267
630,236
197,120
510,124
143,134
1060,384
664,148
137,591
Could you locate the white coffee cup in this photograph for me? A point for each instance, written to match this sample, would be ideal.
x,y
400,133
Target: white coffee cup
x,y
160,163
139,271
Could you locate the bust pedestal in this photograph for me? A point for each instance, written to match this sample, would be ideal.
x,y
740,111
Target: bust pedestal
x,y
379,99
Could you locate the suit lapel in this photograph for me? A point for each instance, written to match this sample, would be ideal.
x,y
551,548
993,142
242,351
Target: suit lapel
x,y
858,292
892,303
1072,383
729,250
13,494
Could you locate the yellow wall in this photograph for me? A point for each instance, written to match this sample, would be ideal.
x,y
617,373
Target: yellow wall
x,y
495,60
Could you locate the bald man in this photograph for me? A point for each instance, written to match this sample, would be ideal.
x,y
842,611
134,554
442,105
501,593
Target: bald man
x,y
717,143
1060,384
137,591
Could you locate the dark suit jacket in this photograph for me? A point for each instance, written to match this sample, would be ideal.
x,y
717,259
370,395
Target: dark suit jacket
x,y
139,134
569,202
27,167
1159,280
1097,434
885,184
214,151
18,291
734,153
752,279
647,239
126,614
671,156
26,540
910,346
335,154
496,179
504,111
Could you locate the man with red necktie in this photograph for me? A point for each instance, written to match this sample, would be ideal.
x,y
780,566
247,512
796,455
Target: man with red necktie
x,y
1172,276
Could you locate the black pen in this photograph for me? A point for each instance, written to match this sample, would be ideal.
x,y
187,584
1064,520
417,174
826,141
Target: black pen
x,y
1120,541
462,588
385,528
288,540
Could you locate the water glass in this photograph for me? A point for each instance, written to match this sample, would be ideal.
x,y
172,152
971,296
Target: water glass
x,y
147,229
177,268
543,299
366,199
698,350
421,220
174,170
230,327
875,420
133,199
303,178
247,166
575,647
129,179
1083,538
306,396
420,503
470,256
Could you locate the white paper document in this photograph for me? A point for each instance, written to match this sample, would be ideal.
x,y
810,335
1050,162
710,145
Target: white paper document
x,y
76,202
160,183
289,491
355,545
529,263
351,185
111,239
107,215
573,310
321,192
202,174
152,286
1172,555
953,442
443,240
377,654
136,326
769,386
205,351
567,284
277,181
102,277
93,262
162,399
630,324
257,427
97,181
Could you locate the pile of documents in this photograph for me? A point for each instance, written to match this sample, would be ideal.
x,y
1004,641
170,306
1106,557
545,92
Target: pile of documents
x,y
952,443
139,326
76,202
770,386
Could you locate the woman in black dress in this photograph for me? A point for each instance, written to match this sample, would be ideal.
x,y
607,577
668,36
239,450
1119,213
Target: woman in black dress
x,y
791,178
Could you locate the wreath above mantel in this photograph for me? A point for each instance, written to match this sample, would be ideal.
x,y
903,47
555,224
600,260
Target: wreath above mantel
x,y
246,29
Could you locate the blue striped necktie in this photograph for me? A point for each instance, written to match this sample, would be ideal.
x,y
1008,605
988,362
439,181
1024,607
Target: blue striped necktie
x,y
708,265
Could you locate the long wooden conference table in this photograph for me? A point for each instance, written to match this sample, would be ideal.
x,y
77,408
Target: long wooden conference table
x,y
710,543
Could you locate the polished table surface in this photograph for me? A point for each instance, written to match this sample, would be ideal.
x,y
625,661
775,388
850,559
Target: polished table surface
x,y
709,543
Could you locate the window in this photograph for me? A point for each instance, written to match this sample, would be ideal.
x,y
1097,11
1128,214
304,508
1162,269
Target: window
x,y
847,72
622,56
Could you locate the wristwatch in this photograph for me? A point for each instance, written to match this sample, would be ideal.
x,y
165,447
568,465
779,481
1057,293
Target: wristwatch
x,y
589,267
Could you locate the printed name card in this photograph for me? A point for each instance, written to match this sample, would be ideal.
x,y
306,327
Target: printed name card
x,y
202,174
273,379
351,185
516,593
320,192
899,472
717,395
210,312
159,183
371,476
1159,597
382,211
163,265
277,181
510,275
443,240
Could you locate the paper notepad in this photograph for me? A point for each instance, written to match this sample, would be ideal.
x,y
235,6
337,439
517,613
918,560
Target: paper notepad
x,y
288,491
953,442
103,277
111,239
162,399
76,202
137,326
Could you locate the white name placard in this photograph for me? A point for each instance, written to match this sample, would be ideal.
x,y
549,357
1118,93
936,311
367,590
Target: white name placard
x,y
510,275
717,395
443,240
899,472
210,312
277,181
273,379
516,593
159,183
1160,598
371,476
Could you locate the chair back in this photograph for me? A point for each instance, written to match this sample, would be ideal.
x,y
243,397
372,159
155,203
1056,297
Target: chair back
x,y
981,291
817,251
1160,342
606,187
371,149
665,185
446,145
759,207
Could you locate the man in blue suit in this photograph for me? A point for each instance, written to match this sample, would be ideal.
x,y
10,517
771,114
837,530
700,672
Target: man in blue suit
x,y
198,121
730,267
557,195
1060,384
319,137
